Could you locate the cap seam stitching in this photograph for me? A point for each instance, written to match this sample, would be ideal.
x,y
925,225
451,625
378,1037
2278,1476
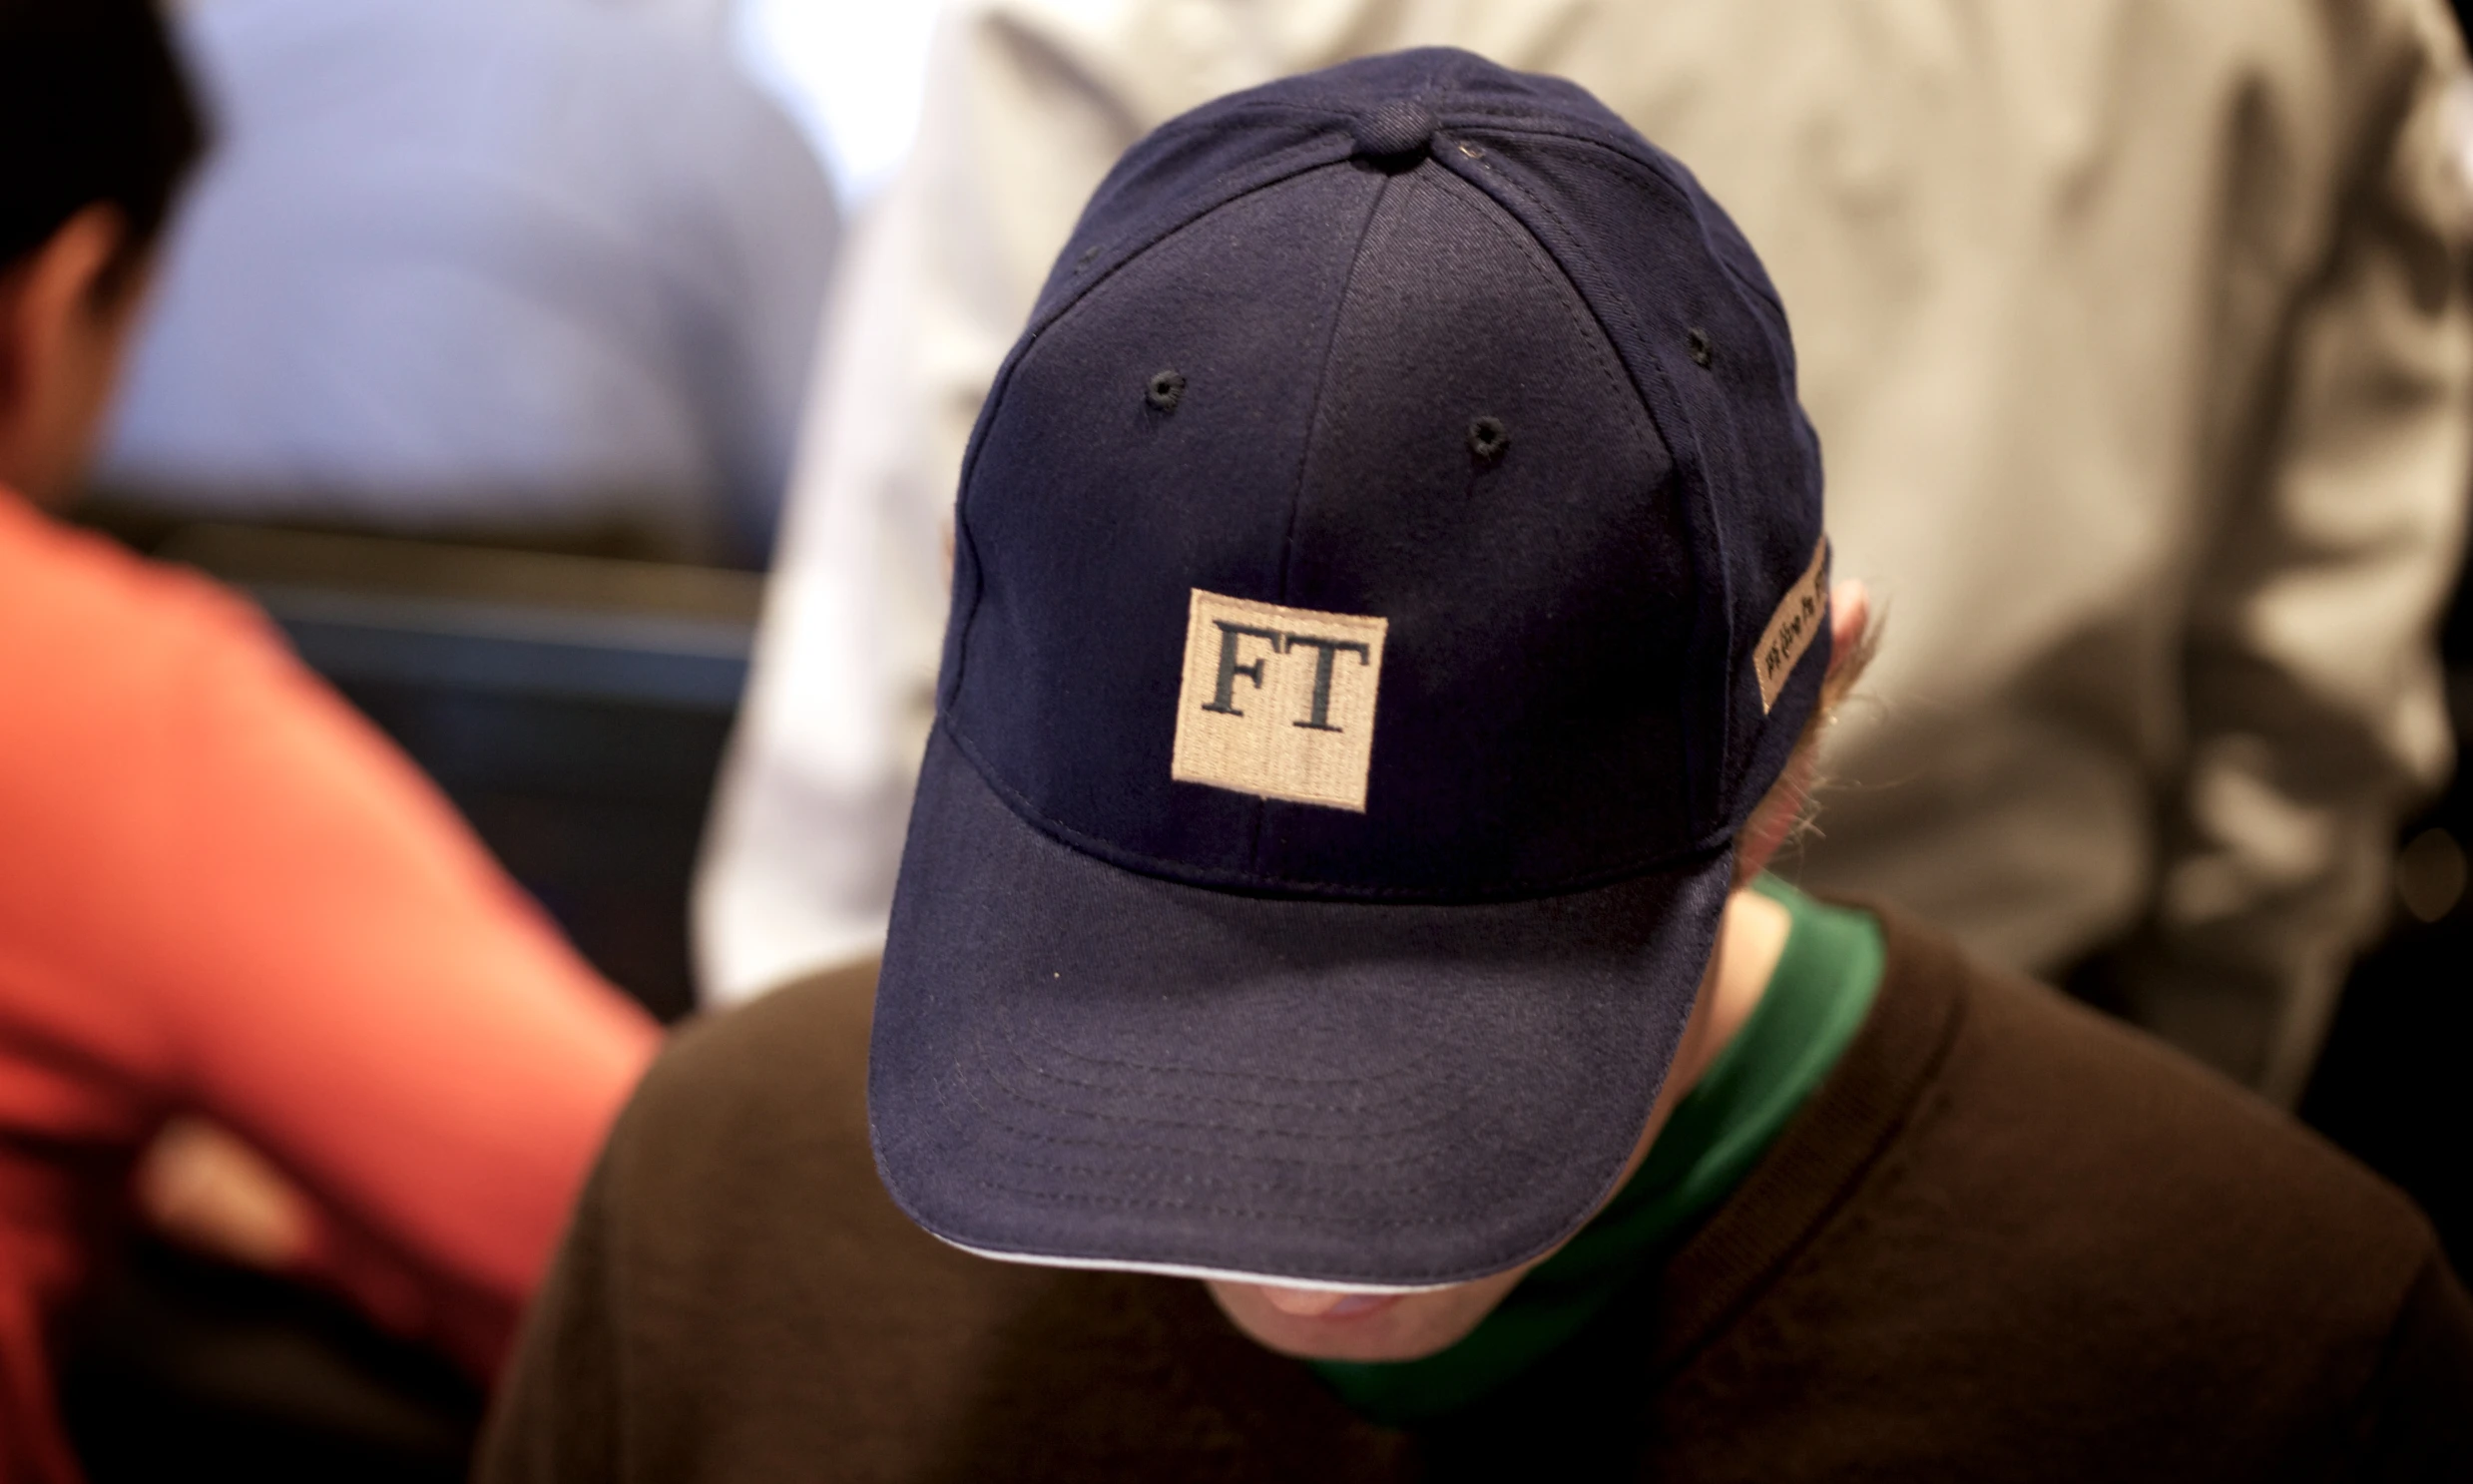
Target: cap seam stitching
x,y
1268,1105
1296,161
1567,297
1616,147
1305,458
1399,1070
1250,1131
1694,458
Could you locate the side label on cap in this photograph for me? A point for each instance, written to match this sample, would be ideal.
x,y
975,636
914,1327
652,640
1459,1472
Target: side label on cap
x,y
1279,702
1792,627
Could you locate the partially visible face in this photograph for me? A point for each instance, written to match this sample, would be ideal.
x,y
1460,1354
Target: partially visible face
x,y
1319,1325
1315,1324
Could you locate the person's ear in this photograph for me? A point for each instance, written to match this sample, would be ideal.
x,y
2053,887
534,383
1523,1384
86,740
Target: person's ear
x,y
42,295
61,325
1850,615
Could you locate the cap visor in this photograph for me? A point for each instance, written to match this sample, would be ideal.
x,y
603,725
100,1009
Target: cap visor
x,y
1076,1064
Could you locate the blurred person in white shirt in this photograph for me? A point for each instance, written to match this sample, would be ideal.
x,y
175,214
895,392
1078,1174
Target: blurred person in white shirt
x,y
2137,340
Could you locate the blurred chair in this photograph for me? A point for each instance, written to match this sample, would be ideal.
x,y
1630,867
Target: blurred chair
x,y
574,707
533,271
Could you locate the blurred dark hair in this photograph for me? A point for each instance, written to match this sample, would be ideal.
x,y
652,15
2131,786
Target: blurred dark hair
x,y
93,108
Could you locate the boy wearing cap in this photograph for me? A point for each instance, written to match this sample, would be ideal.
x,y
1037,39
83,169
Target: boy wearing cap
x,y
1390,610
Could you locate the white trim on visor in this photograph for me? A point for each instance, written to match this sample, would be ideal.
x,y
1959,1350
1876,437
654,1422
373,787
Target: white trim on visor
x,y
1174,1270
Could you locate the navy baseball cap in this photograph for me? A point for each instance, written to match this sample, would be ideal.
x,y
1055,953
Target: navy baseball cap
x,y
1387,572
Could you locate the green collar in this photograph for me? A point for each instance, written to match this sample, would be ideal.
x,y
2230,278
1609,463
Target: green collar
x,y
1817,1000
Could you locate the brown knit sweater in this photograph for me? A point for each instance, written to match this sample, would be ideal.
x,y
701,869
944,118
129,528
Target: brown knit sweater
x,y
2006,1240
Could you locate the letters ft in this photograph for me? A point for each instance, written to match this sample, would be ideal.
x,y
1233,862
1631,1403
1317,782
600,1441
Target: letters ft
x,y
1224,698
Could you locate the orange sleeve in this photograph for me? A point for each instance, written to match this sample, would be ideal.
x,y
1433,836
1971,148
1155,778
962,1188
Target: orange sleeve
x,y
346,978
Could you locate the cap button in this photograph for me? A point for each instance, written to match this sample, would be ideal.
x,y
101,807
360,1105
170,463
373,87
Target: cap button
x,y
1398,127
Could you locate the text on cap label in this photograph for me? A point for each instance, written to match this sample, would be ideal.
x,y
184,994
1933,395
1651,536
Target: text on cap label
x,y
1792,627
1279,702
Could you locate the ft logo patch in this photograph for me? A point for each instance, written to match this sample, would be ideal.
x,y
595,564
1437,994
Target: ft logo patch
x,y
1279,702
